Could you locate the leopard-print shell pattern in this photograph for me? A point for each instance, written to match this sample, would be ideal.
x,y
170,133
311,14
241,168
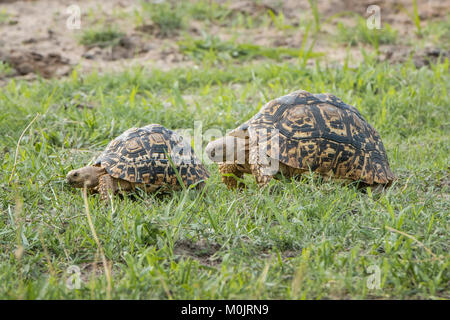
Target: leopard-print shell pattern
x,y
140,155
319,132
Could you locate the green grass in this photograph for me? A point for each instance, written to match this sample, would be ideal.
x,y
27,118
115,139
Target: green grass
x,y
416,18
168,17
438,32
362,34
211,48
205,10
306,239
316,15
4,16
101,37
5,69
279,20
174,16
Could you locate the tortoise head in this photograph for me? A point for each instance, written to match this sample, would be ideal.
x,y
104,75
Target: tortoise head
x,y
228,149
87,176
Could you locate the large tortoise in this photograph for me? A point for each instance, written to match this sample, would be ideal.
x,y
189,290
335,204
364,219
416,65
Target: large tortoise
x,y
143,158
303,132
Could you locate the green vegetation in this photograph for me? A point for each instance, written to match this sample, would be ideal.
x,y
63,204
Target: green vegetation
x,y
362,34
300,239
173,16
208,10
279,21
316,15
5,69
5,17
306,239
211,48
416,18
166,16
100,37
438,33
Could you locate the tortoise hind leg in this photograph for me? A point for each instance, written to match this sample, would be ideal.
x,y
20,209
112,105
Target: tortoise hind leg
x,y
107,184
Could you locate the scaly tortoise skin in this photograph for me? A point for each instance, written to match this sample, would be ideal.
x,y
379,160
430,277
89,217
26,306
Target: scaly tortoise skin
x,y
316,132
139,158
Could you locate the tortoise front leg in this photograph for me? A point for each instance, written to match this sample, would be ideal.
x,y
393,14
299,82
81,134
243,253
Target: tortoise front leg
x,y
261,178
257,167
230,175
107,184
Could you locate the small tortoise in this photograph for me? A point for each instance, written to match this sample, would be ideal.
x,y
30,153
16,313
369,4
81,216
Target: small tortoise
x,y
139,158
303,132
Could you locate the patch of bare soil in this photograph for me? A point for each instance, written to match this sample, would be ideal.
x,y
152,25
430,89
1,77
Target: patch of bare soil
x,y
420,58
395,11
398,14
128,47
286,254
47,66
252,8
35,39
94,269
202,251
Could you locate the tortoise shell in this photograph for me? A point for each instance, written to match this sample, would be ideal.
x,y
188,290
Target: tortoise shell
x,y
152,155
319,132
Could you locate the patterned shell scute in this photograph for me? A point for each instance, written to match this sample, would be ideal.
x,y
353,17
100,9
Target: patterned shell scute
x,y
319,132
141,155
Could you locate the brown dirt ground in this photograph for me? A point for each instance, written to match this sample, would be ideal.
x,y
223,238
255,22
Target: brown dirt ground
x,y
34,38
202,251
